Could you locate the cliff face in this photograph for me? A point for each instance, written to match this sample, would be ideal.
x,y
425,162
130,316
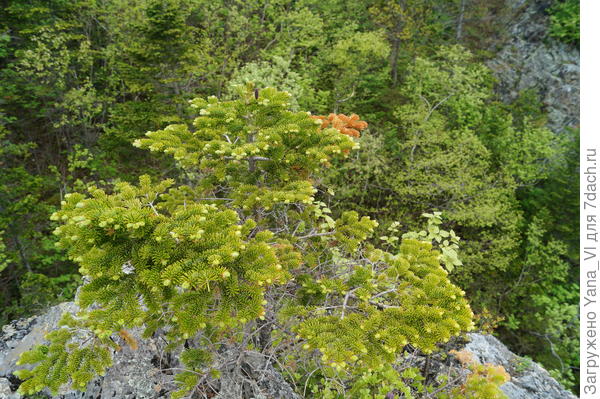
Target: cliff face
x,y
531,59
528,379
146,373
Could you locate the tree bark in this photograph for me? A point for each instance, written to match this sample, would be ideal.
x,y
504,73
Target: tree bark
x,y
461,18
394,60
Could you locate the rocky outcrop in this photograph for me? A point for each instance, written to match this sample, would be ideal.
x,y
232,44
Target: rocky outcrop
x,y
528,379
144,373
530,59
147,373
135,374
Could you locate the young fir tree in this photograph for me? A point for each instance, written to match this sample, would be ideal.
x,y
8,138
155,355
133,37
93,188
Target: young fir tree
x,y
207,256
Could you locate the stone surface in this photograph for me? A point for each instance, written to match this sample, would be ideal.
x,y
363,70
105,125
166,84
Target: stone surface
x,y
144,373
252,377
528,379
6,390
134,375
530,59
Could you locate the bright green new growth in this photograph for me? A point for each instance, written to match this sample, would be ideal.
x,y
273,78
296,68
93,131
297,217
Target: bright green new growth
x,y
190,256
201,257
389,302
60,360
446,241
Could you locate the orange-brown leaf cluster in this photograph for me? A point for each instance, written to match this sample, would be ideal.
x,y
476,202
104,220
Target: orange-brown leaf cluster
x,y
129,339
464,356
349,125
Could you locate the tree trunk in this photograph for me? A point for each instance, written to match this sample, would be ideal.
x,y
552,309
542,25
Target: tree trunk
x,y
394,60
461,18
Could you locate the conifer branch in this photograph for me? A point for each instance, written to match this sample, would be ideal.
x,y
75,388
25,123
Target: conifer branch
x,y
346,297
311,235
249,159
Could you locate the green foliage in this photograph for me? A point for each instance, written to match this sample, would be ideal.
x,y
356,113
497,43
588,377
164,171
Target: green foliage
x,y
453,148
277,73
549,317
4,257
62,361
410,26
520,143
251,137
25,246
359,54
522,364
378,383
201,257
82,79
446,240
564,21
431,158
406,297
368,383
38,292
168,244
195,360
483,383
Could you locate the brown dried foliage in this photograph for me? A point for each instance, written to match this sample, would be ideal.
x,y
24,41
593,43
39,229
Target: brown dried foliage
x,y
463,356
349,125
129,339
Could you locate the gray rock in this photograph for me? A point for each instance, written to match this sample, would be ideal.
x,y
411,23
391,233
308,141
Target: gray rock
x,y
528,380
252,377
6,390
135,373
530,59
144,373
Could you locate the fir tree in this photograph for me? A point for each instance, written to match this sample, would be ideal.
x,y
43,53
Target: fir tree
x,y
211,254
